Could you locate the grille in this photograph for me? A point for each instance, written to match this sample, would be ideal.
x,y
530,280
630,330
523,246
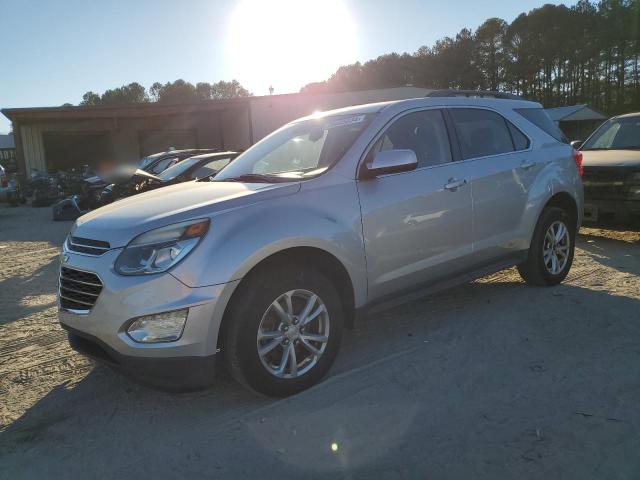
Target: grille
x,y
78,290
87,246
608,183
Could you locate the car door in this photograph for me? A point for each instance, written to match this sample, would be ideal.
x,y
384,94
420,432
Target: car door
x,y
500,168
416,224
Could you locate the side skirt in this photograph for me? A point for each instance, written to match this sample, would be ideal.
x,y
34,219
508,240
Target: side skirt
x,y
426,289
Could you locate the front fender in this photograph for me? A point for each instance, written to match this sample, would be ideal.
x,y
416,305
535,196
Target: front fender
x,y
326,218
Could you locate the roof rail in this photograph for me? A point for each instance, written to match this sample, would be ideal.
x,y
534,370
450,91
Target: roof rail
x,y
473,93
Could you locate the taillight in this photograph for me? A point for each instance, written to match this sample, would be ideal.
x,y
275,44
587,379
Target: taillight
x,y
577,156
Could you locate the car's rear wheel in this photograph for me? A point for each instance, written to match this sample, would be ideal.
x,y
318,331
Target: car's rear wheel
x,y
552,247
283,331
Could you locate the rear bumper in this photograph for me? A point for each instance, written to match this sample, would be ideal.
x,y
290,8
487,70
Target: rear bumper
x,y
172,373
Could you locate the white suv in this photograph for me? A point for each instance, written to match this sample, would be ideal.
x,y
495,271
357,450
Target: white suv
x,y
311,227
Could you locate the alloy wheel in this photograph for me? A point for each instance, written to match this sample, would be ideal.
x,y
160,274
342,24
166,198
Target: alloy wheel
x,y
293,333
555,248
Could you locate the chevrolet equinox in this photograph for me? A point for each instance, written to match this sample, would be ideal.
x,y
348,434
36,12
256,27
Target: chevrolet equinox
x,y
310,228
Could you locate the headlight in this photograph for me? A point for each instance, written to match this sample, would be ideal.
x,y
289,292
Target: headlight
x,y
160,249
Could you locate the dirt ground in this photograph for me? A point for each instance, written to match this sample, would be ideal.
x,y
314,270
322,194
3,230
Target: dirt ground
x,y
492,379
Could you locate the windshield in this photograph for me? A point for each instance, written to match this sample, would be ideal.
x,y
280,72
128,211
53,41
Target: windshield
x,y
299,150
162,165
618,134
172,172
148,159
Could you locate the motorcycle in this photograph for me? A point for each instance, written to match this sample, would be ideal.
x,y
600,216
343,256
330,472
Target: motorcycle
x,y
43,189
71,181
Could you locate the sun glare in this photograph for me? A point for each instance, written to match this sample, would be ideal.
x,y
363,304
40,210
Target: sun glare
x,y
289,43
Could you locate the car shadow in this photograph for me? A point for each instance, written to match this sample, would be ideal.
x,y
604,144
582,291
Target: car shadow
x,y
490,379
627,226
612,250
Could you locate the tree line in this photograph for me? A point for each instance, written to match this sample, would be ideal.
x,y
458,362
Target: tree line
x,y
557,55
170,92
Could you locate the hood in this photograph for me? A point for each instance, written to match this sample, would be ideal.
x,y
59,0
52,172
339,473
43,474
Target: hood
x,y
611,158
118,222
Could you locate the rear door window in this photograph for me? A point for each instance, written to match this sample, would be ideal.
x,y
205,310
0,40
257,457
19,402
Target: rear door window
x,y
520,141
423,132
482,132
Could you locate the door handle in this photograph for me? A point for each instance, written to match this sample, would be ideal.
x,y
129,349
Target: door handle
x,y
527,165
454,184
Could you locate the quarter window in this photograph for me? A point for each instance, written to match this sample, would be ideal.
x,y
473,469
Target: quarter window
x,y
482,132
540,118
520,141
423,132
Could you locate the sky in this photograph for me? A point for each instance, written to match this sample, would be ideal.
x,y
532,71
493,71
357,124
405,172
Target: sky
x,y
55,51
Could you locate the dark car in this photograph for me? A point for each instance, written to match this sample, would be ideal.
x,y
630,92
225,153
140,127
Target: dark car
x,y
153,164
90,195
611,162
193,168
197,167
159,162
96,191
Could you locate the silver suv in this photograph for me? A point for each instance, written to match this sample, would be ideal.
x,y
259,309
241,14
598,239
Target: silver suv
x,y
311,227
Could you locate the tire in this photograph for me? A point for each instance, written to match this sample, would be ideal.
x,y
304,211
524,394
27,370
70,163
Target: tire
x,y
538,269
253,310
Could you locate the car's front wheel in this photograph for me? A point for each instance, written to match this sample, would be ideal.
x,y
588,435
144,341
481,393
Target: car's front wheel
x,y
552,247
283,331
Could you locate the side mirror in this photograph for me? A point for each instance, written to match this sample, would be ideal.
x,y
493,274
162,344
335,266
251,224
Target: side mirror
x,y
576,144
391,161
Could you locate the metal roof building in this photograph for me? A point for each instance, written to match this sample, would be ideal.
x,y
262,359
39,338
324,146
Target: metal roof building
x,y
577,121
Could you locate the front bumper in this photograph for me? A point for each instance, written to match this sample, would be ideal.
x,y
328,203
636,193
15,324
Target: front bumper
x,y
173,373
596,209
611,193
101,332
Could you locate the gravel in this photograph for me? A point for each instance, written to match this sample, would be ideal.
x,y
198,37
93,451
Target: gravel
x,y
492,379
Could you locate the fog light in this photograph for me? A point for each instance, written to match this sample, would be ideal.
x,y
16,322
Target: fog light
x,y
162,327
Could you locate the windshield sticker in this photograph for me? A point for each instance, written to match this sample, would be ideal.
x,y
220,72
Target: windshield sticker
x,y
345,121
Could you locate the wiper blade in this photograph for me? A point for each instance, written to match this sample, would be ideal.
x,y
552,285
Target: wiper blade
x,y
254,177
